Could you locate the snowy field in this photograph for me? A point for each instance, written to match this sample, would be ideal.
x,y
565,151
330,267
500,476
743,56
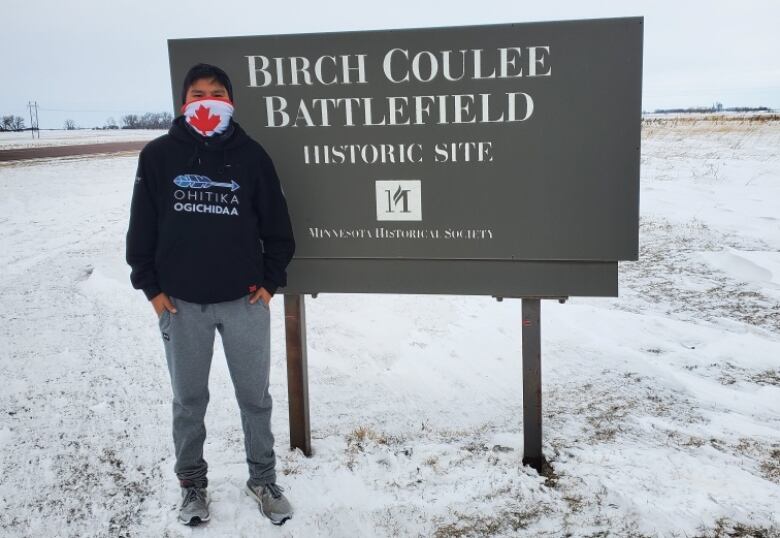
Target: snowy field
x,y
63,137
661,407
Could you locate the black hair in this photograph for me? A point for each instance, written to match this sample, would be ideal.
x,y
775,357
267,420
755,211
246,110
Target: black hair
x,y
201,70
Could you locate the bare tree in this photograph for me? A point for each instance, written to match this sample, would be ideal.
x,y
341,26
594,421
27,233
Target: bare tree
x,y
165,120
110,124
70,124
130,121
11,123
150,120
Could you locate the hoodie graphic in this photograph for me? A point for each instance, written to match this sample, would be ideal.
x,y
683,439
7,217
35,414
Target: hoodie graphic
x,y
208,218
228,204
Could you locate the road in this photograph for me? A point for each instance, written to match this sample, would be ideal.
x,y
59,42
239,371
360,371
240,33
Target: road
x,y
20,154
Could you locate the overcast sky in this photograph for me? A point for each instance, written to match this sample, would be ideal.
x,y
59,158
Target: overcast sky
x,y
88,60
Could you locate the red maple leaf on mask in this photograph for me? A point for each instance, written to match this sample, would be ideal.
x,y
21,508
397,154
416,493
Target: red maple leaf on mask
x,y
202,121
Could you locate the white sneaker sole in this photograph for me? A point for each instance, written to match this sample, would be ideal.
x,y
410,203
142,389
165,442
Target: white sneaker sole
x,y
194,520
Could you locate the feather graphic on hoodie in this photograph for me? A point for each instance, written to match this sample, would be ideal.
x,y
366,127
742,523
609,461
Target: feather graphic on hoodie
x,y
195,181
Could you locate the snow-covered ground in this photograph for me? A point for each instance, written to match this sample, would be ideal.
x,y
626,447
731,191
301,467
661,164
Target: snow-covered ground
x,y
63,137
661,407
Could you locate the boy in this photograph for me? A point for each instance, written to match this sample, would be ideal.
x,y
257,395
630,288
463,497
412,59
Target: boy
x,y
205,197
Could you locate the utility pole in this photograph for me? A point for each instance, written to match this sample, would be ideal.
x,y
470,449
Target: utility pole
x,y
34,118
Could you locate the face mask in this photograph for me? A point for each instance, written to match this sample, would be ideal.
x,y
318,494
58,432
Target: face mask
x,y
208,115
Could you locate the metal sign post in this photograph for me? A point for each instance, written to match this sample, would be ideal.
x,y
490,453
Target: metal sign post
x,y
297,372
532,383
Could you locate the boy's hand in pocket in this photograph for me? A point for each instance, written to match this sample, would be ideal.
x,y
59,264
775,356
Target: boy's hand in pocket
x,y
260,295
161,302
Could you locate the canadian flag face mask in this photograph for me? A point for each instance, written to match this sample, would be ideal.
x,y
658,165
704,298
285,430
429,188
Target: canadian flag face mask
x,y
209,115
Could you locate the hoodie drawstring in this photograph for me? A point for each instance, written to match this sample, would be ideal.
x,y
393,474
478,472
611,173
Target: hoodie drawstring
x,y
195,154
225,165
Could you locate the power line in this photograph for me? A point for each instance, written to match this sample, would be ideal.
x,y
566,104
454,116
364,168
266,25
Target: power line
x,y
34,118
136,111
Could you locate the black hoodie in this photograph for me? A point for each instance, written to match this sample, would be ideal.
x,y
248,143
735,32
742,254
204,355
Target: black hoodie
x,y
208,217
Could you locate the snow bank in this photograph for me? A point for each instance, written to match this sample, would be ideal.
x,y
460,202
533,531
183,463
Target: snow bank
x,y
661,407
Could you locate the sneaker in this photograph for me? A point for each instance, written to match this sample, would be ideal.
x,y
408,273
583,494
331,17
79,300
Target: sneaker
x,y
273,504
194,507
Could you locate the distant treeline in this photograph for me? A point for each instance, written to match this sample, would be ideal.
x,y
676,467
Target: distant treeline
x,y
717,107
150,120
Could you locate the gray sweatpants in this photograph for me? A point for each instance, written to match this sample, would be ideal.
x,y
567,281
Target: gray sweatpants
x,y
188,337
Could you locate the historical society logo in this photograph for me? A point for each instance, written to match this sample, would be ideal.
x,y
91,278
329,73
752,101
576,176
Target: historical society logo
x,y
398,199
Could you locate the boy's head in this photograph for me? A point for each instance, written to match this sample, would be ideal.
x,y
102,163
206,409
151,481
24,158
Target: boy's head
x,y
205,80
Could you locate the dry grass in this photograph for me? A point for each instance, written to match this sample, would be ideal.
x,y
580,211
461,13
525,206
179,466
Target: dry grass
x,y
363,434
498,524
710,119
743,127
668,256
725,528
